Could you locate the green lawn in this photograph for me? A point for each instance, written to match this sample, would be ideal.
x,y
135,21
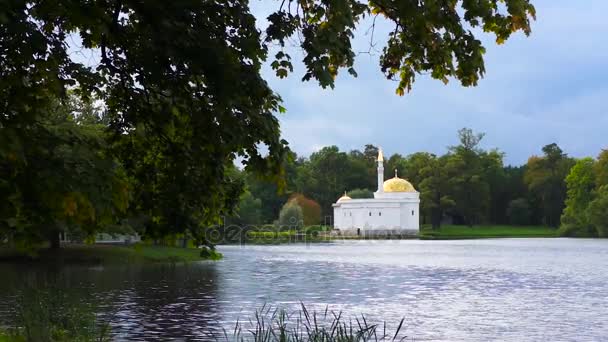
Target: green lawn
x,y
112,254
486,231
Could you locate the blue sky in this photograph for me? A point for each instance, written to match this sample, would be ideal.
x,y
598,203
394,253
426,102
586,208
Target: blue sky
x,y
549,87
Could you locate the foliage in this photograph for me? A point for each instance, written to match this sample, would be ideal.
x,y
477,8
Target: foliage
x,y
587,201
581,183
52,315
55,176
360,193
183,97
519,212
311,210
545,177
435,190
597,212
291,216
249,210
428,37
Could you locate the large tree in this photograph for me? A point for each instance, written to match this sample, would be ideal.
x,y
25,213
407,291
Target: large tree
x,y
181,83
546,179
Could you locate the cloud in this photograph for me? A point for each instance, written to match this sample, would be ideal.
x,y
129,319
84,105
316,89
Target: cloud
x,y
549,87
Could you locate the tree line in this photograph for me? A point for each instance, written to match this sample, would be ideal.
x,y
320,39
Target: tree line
x,y
467,185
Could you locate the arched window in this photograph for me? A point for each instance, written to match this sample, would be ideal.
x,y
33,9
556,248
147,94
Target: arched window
x,y
370,213
412,213
350,214
379,214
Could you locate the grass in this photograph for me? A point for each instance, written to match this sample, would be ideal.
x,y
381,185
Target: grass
x,y
51,314
112,254
277,325
448,232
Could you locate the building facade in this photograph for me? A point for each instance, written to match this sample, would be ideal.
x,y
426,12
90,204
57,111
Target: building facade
x,y
393,210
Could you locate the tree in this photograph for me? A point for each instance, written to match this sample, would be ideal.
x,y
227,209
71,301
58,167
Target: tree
x,y
291,216
545,177
181,84
469,187
55,178
581,184
435,188
518,212
360,193
249,210
430,37
601,168
311,210
598,212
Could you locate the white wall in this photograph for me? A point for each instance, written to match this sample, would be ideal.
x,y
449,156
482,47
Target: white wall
x,y
391,213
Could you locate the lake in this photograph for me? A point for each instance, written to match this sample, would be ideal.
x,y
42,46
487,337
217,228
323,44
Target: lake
x,y
466,290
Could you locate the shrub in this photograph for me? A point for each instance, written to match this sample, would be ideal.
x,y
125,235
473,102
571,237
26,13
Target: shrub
x,y
291,216
311,210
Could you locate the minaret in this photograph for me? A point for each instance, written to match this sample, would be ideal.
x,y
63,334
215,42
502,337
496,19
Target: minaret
x,y
380,171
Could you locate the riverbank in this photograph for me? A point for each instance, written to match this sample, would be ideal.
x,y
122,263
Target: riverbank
x,y
110,254
453,232
447,232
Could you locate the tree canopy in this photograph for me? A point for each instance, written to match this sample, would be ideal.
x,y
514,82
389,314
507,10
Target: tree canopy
x,y
183,96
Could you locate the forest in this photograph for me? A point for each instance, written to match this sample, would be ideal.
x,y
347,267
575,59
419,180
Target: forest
x,y
467,185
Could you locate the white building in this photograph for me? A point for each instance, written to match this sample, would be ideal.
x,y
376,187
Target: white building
x,y
393,210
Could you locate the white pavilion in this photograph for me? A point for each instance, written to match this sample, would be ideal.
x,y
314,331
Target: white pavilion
x,y
393,210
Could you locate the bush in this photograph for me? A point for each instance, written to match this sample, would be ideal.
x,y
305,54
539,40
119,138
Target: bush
x,y
210,254
311,210
291,216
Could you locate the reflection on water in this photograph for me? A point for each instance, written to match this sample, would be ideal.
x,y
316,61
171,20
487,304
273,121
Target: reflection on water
x,y
478,290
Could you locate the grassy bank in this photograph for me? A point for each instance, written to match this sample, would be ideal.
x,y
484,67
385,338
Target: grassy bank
x,y
111,254
450,232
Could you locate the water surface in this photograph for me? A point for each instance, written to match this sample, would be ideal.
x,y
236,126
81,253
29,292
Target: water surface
x,y
468,290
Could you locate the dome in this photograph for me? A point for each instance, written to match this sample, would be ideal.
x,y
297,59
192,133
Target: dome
x,y
397,184
344,197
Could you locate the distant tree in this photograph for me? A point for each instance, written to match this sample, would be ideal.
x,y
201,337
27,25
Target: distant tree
x,y
545,177
581,185
291,216
311,210
468,185
601,169
360,193
598,212
435,190
248,211
413,166
518,212
395,162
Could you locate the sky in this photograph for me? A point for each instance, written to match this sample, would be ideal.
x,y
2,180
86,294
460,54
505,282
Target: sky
x,y
550,87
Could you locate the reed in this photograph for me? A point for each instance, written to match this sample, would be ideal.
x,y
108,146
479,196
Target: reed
x,y
277,325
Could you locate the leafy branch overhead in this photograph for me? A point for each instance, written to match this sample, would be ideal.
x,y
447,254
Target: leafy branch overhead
x,y
434,36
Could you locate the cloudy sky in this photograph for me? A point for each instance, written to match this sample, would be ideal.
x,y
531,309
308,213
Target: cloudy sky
x,y
549,87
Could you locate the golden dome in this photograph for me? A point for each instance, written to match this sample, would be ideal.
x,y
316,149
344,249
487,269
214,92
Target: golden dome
x,y
344,197
397,184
